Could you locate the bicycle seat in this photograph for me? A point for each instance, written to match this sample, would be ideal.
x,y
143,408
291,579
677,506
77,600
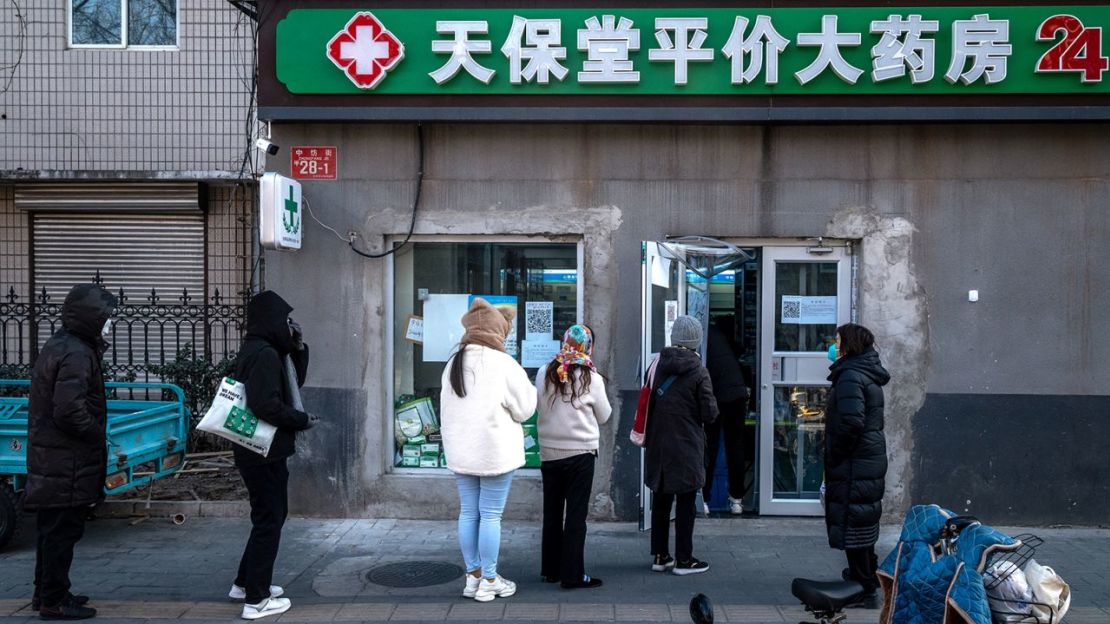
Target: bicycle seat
x,y
825,596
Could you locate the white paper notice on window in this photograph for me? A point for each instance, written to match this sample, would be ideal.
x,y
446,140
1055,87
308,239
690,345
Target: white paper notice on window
x,y
670,314
443,325
537,353
539,320
799,310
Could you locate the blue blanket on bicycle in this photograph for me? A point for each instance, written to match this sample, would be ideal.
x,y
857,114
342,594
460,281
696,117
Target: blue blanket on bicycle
x,y
925,585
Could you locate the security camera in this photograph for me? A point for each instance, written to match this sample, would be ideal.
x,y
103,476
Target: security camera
x,y
267,146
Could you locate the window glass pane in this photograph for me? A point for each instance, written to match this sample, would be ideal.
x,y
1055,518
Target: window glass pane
x,y
97,22
799,443
152,22
797,326
434,282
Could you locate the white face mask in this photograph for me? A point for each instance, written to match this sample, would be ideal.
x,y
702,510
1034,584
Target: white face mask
x,y
107,329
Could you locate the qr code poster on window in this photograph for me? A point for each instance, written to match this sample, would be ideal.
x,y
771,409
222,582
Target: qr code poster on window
x,y
798,310
539,320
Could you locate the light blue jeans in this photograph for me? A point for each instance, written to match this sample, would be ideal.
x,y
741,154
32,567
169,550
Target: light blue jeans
x,y
481,501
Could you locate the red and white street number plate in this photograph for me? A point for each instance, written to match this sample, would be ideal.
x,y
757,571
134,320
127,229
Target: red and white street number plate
x,y
313,162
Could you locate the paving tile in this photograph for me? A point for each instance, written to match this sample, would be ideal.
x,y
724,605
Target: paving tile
x,y
10,607
525,611
586,613
643,613
420,612
140,609
310,613
472,610
366,611
749,614
213,610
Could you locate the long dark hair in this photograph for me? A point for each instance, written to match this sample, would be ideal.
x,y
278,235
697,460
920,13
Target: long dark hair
x,y
573,388
457,372
855,339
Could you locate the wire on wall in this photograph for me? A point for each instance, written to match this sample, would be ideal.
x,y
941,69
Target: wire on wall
x,y
21,29
415,203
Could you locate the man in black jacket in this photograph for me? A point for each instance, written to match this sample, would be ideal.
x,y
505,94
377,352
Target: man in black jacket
x,y
260,365
731,392
67,456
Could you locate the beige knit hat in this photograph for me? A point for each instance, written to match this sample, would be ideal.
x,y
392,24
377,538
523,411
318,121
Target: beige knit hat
x,y
487,325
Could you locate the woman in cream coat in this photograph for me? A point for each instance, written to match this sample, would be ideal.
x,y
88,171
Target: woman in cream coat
x,y
486,396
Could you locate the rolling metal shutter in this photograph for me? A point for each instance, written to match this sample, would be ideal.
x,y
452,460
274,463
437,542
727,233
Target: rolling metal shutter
x,y
135,252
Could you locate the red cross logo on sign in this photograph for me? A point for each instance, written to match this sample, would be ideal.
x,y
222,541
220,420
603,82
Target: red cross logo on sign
x,y
365,50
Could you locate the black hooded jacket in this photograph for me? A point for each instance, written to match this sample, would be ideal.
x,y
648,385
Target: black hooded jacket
x,y
724,368
855,451
260,366
67,455
675,438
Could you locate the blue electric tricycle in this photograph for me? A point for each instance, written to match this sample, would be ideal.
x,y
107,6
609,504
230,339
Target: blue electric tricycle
x,y
146,440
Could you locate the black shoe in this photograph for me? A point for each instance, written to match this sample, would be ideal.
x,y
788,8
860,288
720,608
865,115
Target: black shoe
x,y
80,601
662,563
846,574
693,566
67,611
587,582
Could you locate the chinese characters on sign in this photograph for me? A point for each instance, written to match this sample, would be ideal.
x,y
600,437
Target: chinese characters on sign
x,y
311,162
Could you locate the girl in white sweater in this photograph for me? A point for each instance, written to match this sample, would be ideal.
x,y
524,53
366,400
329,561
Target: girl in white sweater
x,y
572,404
485,397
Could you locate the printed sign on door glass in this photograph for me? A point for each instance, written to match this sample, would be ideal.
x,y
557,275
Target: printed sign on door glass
x,y
798,310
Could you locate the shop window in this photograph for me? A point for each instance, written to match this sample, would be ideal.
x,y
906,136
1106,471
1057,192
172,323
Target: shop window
x,y
123,23
434,283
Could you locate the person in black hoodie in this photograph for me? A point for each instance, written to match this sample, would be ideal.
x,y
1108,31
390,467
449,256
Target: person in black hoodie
x,y
67,453
682,404
855,454
731,392
260,366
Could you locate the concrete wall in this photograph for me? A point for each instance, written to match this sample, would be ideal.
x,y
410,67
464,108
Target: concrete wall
x,y
181,112
1016,212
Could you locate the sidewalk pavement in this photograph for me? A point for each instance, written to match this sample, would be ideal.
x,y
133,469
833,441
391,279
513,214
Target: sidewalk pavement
x,y
157,571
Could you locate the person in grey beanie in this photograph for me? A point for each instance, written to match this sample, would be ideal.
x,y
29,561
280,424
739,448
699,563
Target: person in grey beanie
x,y
682,404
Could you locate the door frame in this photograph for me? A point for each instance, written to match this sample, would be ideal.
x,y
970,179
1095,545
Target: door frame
x,y
771,255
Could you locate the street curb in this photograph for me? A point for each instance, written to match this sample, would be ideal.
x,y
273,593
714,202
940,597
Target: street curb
x,y
166,509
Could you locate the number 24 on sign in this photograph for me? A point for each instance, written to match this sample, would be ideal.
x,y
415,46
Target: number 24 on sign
x,y
1080,50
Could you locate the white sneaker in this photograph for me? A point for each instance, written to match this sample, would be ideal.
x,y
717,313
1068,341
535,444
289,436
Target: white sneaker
x,y
735,506
240,593
471,585
268,607
705,509
499,587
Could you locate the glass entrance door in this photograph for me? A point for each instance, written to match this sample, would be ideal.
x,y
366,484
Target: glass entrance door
x,y
806,295
664,300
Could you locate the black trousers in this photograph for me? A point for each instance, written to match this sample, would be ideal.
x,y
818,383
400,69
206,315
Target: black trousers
x,y
268,486
730,426
862,566
683,524
59,530
566,502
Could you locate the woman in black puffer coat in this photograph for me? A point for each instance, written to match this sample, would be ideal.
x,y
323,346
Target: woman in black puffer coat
x,y
855,452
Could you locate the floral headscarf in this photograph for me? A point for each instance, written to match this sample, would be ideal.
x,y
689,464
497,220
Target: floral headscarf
x,y
578,346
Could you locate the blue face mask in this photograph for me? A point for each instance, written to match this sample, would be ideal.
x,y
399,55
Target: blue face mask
x,y
832,353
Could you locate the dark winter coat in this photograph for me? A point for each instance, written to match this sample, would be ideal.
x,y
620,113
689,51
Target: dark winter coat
x,y
674,459
260,365
724,368
67,455
855,451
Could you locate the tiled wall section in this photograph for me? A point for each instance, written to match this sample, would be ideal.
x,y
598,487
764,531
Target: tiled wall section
x,y
66,109
229,222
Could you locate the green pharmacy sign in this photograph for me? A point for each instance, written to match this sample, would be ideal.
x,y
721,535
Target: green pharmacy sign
x,y
713,51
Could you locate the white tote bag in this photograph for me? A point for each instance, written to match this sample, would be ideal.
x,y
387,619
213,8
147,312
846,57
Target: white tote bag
x,y
1049,589
229,418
